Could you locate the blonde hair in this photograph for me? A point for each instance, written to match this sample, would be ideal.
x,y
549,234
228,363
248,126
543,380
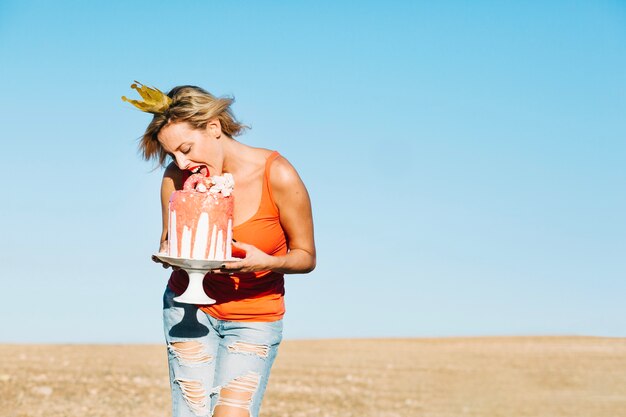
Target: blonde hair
x,y
194,106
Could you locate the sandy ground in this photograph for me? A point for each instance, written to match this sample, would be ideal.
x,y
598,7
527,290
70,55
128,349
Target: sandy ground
x,y
448,377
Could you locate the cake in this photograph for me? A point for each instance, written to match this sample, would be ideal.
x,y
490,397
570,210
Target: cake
x,y
201,218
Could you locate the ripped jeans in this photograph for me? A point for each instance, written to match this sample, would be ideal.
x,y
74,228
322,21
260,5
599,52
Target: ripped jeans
x,y
217,363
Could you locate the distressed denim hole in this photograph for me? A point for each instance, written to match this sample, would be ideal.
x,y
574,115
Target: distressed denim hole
x,y
190,353
236,397
245,347
195,396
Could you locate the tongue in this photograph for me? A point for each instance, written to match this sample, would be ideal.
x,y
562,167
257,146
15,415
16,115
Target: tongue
x,y
205,171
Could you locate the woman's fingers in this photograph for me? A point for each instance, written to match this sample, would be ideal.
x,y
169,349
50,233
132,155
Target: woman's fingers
x,y
233,265
242,245
165,265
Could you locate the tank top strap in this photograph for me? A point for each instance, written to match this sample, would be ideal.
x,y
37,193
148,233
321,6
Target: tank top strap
x,y
267,189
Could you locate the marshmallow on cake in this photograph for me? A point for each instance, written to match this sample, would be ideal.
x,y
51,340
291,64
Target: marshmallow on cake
x,y
201,218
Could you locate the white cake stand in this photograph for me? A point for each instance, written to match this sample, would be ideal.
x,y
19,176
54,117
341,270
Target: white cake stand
x,y
196,269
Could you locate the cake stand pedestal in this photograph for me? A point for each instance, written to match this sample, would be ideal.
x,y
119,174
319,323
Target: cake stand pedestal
x,y
196,269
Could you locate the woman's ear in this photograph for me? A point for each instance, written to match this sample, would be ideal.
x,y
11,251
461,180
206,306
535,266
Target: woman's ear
x,y
214,128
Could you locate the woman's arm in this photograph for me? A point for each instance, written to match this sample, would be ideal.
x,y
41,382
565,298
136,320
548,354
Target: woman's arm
x,y
172,181
296,218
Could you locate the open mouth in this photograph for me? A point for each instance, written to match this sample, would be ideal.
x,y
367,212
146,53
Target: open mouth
x,y
200,169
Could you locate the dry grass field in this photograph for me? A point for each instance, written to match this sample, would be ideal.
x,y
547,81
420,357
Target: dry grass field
x,y
448,377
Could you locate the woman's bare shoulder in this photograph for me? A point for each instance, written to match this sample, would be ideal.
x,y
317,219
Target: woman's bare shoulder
x,y
174,174
261,154
283,175
256,159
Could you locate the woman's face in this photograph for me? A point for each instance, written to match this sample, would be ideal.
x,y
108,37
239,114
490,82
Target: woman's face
x,y
193,148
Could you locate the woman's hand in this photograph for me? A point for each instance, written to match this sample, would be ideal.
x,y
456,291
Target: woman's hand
x,y
163,250
163,264
256,260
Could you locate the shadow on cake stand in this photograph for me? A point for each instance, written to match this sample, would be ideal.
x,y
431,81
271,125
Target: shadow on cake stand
x,y
196,269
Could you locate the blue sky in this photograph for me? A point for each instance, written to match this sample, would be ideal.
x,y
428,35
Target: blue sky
x,y
466,160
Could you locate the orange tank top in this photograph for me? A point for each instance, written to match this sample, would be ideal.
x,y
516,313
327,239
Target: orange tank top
x,y
254,296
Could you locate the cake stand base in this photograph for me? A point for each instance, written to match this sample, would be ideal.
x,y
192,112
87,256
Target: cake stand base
x,y
196,269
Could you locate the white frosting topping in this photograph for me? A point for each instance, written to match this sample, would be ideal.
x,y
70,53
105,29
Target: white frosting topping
x,y
222,184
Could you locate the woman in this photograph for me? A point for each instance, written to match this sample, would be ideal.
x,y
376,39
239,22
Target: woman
x,y
220,355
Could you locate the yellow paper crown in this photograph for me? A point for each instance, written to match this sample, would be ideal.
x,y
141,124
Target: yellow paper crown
x,y
154,101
